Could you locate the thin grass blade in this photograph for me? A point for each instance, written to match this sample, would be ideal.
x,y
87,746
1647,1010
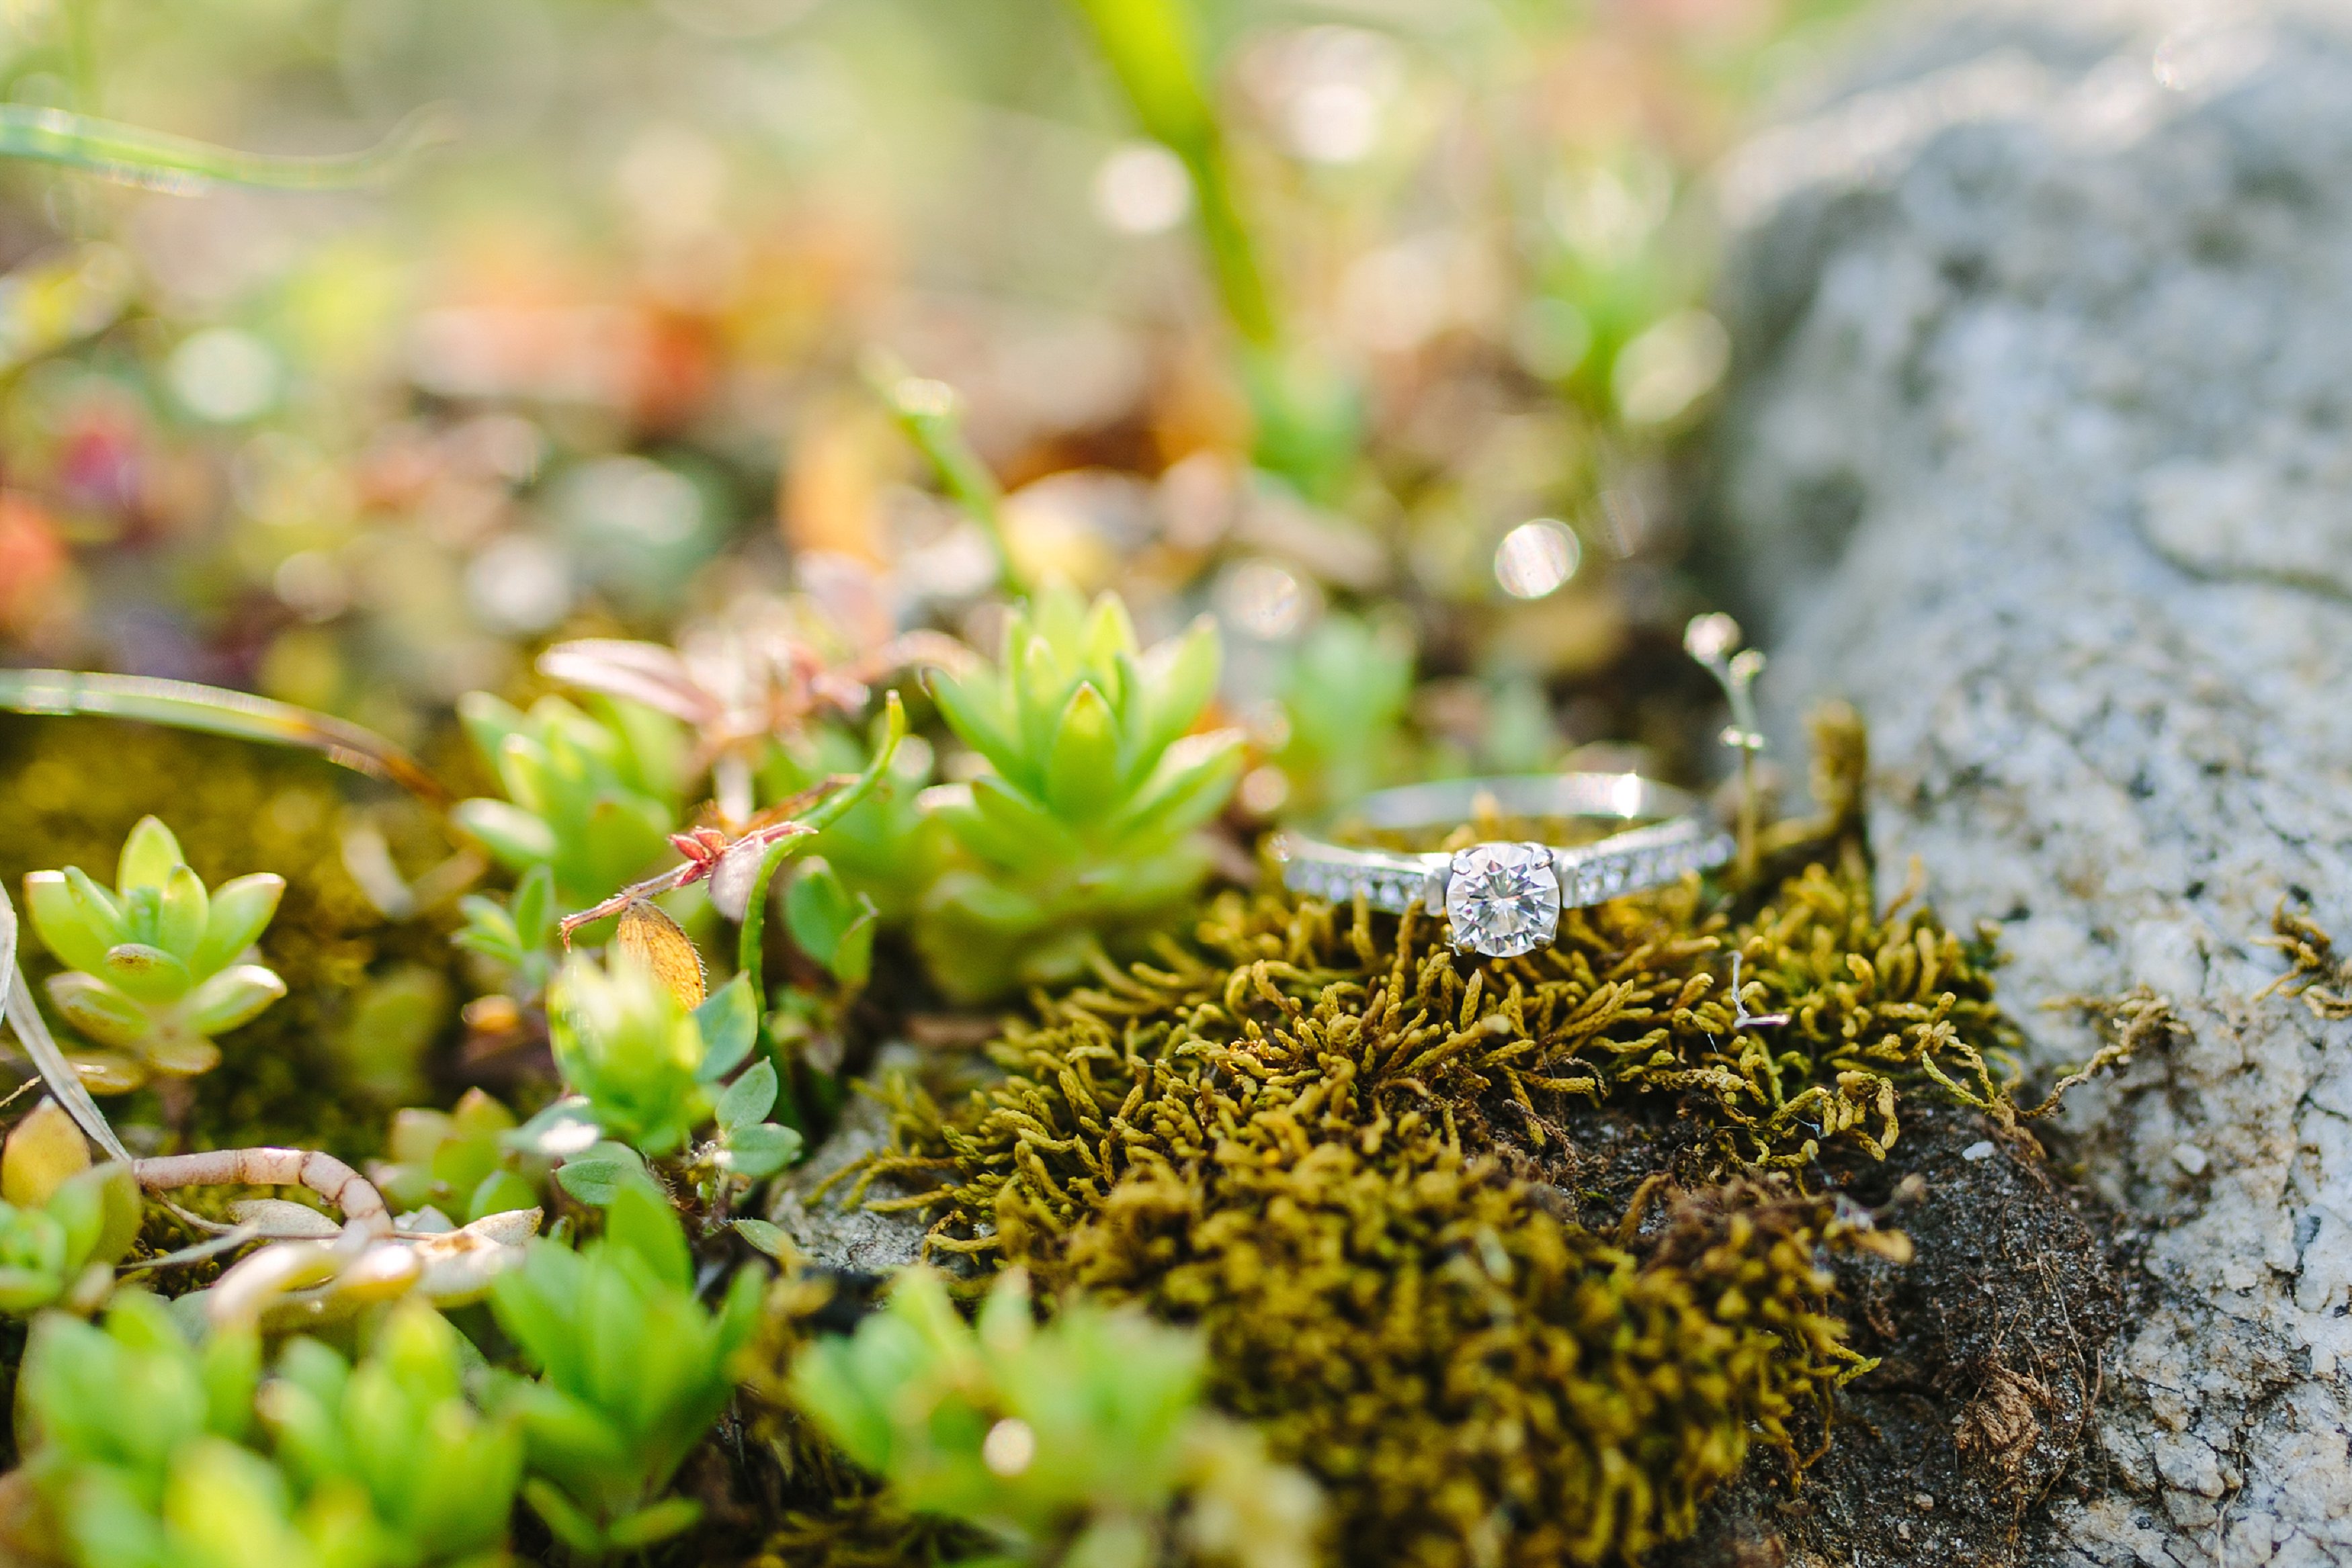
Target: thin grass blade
x,y
159,160
184,704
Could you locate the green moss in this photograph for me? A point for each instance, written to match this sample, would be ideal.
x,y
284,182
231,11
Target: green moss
x,y
1326,1137
70,788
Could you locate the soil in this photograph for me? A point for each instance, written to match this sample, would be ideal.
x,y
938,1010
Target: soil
x,y
1992,1344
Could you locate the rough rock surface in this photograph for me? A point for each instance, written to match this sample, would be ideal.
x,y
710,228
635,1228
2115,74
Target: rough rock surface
x,y
812,1205
2041,451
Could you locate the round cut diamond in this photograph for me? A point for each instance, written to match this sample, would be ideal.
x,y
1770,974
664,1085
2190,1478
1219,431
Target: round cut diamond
x,y
1504,899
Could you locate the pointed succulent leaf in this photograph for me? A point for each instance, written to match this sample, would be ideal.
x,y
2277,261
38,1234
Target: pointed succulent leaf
x,y
1037,834
643,1223
1082,777
186,908
239,911
534,907
653,1523
1178,677
748,1099
148,856
1041,685
98,1010
564,1520
143,914
976,706
515,837
1058,613
76,927
1110,631
487,721
232,997
1190,786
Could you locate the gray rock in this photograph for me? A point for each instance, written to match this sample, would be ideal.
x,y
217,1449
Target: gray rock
x,y
2039,449
812,1204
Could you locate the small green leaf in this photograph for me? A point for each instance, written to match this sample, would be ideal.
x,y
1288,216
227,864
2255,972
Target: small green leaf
x,y
759,1151
766,1237
976,707
566,1522
1178,676
516,838
819,910
594,1182
148,856
747,1099
656,1523
239,912
500,1192
186,913
729,1021
98,1010
1082,770
231,997
644,1222
73,927
534,907
144,971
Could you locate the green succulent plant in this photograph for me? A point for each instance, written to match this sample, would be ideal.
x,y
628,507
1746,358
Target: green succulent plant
x,y
459,1161
1342,700
1085,827
153,1451
518,935
154,964
595,798
63,1223
634,1370
1071,1443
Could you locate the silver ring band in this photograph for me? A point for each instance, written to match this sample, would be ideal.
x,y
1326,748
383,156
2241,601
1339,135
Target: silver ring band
x,y
1505,899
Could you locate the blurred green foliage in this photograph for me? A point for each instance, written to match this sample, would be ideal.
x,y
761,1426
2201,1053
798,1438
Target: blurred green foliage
x,y
633,1370
1070,1443
593,797
153,1451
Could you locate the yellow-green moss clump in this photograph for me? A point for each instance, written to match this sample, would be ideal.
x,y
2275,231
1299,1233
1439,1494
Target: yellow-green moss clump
x,y
1362,1163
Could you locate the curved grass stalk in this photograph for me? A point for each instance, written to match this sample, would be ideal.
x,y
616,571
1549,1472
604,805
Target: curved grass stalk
x,y
159,160
751,939
185,705
928,414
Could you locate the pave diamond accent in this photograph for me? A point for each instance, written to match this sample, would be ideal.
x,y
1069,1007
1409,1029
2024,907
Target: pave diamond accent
x,y
1504,899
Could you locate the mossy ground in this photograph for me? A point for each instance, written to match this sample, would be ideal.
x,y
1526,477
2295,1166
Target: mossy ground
x,y
1557,1259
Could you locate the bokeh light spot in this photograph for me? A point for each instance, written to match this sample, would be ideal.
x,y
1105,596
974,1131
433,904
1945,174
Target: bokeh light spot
x,y
224,375
1142,189
1536,558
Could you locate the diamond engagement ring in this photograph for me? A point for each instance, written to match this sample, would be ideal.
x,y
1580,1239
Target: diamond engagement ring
x,y
1505,899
